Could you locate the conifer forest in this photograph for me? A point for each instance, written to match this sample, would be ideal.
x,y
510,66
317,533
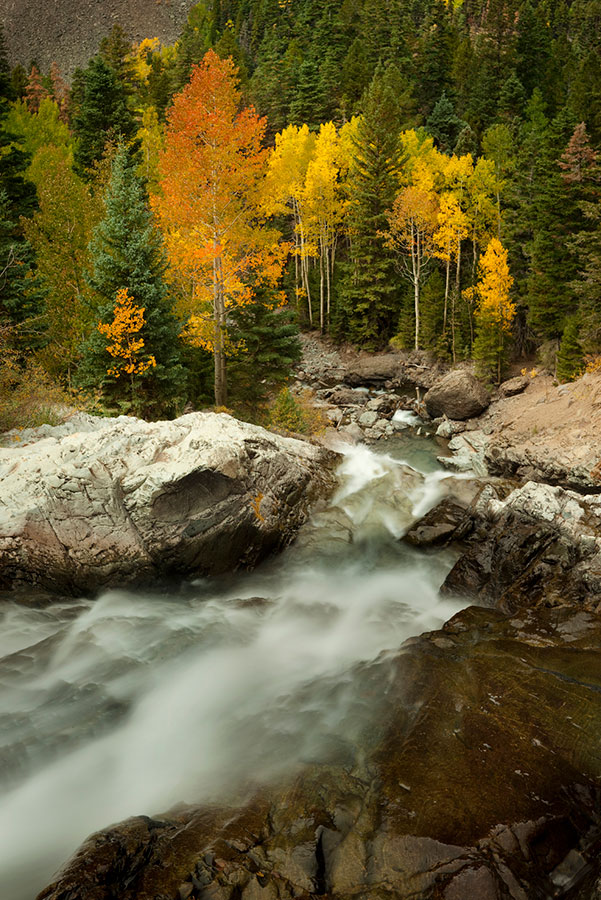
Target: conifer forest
x,y
424,175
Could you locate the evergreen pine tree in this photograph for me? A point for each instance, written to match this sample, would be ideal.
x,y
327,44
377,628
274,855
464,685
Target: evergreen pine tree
x,y
533,48
369,303
271,348
355,76
306,101
21,295
550,296
444,125
512,98
570,362
115,49
587,246
103,114
435,52
127,252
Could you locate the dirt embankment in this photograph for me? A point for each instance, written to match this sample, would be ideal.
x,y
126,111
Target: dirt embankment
x,y
556,428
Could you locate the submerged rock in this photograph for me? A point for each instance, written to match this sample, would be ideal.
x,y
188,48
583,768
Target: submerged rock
x,y
480,780
458,395
121,500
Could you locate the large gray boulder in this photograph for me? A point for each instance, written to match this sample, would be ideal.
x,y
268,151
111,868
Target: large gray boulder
x,y
458,395
118,501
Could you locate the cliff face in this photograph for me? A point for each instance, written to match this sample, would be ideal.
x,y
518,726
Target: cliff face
x,y
69,31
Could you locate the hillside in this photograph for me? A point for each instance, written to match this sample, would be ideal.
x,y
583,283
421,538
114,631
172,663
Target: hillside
x,y
69,31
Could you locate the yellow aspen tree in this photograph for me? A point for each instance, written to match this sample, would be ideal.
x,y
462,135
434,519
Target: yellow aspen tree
x,y
481,213
151,136
325,209
457,171
452,228
284,190
494,310
412,223
422,163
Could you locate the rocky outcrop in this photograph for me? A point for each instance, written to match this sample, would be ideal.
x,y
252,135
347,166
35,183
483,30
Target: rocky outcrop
x,y
543,464
480,780
113,501
372,371
541,545
457,395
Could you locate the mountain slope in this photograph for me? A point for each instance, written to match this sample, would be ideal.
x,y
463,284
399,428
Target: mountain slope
x,y
69,31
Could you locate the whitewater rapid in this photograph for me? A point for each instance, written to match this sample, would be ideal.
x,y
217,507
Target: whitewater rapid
x,y
135,701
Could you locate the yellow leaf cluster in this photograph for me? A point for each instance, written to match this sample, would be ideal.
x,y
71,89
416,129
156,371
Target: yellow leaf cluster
x,y
494,287
123,334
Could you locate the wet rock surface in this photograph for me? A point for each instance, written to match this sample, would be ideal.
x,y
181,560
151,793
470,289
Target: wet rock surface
x,y
480,780
532,545
114,501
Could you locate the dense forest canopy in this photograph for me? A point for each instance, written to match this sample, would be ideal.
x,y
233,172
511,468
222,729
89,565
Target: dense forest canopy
x,y
423,173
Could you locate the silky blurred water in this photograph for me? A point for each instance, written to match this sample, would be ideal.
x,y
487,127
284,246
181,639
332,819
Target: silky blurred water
x,y
136,701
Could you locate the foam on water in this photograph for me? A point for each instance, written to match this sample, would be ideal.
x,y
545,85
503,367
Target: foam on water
x,y
134,702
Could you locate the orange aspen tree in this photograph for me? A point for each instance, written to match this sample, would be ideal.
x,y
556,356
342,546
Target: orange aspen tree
x,y
125,344
209,206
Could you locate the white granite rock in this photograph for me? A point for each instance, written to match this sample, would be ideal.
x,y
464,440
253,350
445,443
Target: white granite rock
x,y
100,502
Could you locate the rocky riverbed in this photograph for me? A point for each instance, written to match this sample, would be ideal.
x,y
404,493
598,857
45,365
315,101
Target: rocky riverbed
x,y
479,776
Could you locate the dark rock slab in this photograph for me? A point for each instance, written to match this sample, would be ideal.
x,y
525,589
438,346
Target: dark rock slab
x,y
450,520
538,547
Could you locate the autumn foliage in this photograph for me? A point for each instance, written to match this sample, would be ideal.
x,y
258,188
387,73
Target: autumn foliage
x,y
125,344
495,310
208,205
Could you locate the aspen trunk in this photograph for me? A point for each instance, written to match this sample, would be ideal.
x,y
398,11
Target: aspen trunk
x,y
305,270
454,300
321,290
446,295
415,262
219,343
328,288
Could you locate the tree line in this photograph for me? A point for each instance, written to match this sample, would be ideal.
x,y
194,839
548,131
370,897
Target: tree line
x,y
169,220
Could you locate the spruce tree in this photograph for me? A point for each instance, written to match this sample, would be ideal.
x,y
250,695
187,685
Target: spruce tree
x,y
21,295
587,246
103,114
550,297
444,125
270,348
370,297
570,362
127,252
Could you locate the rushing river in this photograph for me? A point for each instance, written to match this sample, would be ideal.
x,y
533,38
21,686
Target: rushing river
x,y
136,701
